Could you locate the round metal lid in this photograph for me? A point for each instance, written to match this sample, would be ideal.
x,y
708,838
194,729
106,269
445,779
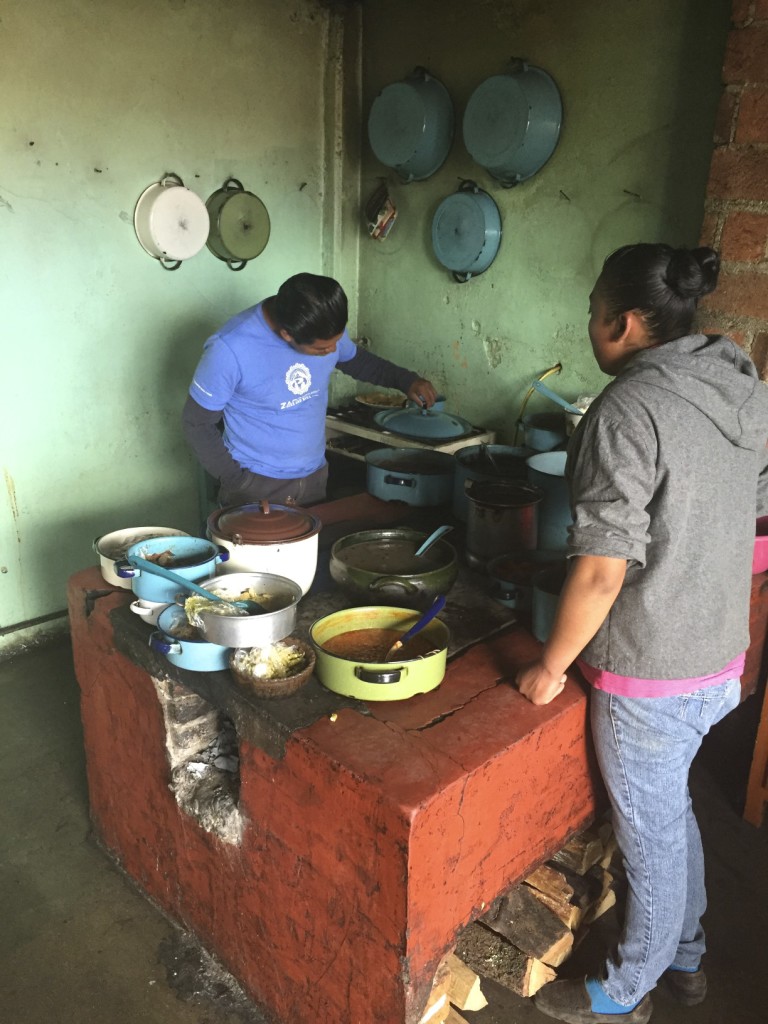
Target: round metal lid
x,y
263,523
244,225
419,424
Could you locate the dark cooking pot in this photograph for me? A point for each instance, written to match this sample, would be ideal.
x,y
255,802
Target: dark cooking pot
x,y
380,565
416,476
485,462
240,225
503,516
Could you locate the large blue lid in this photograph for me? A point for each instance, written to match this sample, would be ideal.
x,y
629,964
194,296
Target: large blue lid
x,y
419,424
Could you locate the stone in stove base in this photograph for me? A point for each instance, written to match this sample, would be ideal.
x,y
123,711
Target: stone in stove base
x,y
368,840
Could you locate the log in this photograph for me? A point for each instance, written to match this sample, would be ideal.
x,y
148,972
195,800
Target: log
x,y
530,926
492,956
454,1017
571,915
464,986
581,851
437,1010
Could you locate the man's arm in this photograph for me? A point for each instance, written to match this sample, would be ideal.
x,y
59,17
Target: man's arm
x,y
590,590
202,434
366,366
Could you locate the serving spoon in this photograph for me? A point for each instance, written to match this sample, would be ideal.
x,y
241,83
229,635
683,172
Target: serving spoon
x,y
437,606
252,607
431,539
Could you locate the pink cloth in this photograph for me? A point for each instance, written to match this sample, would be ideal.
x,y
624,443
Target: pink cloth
x,y
627,686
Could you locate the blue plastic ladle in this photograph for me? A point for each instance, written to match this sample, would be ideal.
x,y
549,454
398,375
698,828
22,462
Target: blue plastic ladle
x,y
252,607
435,608
553,395
439,532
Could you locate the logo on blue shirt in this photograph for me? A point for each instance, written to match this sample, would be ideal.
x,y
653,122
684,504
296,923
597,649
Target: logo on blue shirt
x,y
298,379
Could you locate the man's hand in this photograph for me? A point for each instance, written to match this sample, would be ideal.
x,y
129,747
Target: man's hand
x,y
422,392
538,684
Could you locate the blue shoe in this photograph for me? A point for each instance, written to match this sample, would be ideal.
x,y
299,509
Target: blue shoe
x,y
570,1001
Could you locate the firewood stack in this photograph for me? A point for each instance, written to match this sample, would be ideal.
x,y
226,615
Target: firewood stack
x,y
531,929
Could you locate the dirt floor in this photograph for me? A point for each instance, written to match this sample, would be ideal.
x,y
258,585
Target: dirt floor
x,y
80,945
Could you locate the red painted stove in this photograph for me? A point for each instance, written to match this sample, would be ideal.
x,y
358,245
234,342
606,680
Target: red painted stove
x,y
369,836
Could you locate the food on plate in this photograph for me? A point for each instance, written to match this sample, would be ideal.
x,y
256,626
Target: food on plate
x,y
380,400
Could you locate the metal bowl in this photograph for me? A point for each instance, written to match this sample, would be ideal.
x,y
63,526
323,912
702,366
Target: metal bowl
x,y
281,596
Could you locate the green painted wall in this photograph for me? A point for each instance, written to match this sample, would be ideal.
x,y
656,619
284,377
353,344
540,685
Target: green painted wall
x,y
640,83
102,97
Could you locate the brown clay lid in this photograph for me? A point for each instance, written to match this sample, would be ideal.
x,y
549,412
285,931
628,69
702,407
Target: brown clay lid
x,y
263,523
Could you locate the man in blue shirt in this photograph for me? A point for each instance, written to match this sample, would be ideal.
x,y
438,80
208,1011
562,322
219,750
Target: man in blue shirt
x,y
265,375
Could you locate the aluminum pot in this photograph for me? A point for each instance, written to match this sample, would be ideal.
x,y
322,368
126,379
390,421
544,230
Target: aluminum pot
x,y
511,577
416,476
380,565
485,462
281,596
503,517
196,655
378,681
194,558
111,547
265,538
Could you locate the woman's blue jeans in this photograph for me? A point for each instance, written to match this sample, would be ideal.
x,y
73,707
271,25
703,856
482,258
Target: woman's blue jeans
x,y
645,747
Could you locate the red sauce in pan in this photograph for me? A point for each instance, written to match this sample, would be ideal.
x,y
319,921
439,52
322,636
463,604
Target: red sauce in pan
x,y
370,645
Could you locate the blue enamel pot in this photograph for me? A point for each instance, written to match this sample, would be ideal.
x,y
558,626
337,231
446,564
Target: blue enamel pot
x,y
193,653
194,558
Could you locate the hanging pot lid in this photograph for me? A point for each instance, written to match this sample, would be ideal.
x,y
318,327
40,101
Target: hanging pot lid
x,y
420,424
410,125
262,523
512,123
240,224
170,220
466,231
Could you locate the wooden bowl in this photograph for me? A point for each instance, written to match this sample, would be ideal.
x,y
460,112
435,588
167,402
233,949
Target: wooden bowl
x,y
275,686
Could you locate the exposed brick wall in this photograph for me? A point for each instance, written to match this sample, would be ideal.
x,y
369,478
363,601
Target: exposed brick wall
x,y
736,210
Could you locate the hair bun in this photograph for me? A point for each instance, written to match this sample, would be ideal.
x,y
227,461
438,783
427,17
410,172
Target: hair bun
x,y
692,273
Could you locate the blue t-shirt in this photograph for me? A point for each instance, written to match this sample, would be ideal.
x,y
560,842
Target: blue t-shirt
x,y
274,398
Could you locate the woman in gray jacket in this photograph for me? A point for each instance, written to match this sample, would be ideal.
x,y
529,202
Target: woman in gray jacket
x,y
664,475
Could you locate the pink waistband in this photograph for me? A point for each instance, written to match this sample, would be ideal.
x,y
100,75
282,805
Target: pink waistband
x,y
628,686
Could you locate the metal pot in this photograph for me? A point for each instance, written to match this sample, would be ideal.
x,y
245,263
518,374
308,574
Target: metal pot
x,y
379,565
199,556
410,126
511,577
282,596
240,224
266,538
512,123
196,655
466,231
547,472
413,475
171,221
112,547
485,462
547,585
396,680
503,517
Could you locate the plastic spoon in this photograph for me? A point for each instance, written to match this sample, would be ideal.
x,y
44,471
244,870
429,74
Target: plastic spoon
x,y
439,532
436,607
544,390
252,607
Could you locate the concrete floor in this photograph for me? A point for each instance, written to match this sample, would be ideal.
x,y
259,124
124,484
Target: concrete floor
x,y
80,945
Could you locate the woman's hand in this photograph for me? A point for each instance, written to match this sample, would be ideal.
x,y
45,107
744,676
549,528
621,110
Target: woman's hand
x,y
537,683
422,392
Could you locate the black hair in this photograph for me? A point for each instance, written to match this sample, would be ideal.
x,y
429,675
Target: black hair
x,y
311,308
663,284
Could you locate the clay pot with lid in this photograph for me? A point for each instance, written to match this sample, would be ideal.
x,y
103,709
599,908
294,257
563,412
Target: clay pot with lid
x,y
262,537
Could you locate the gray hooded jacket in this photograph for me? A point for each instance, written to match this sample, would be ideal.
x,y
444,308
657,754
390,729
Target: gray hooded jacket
x,y
665,472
